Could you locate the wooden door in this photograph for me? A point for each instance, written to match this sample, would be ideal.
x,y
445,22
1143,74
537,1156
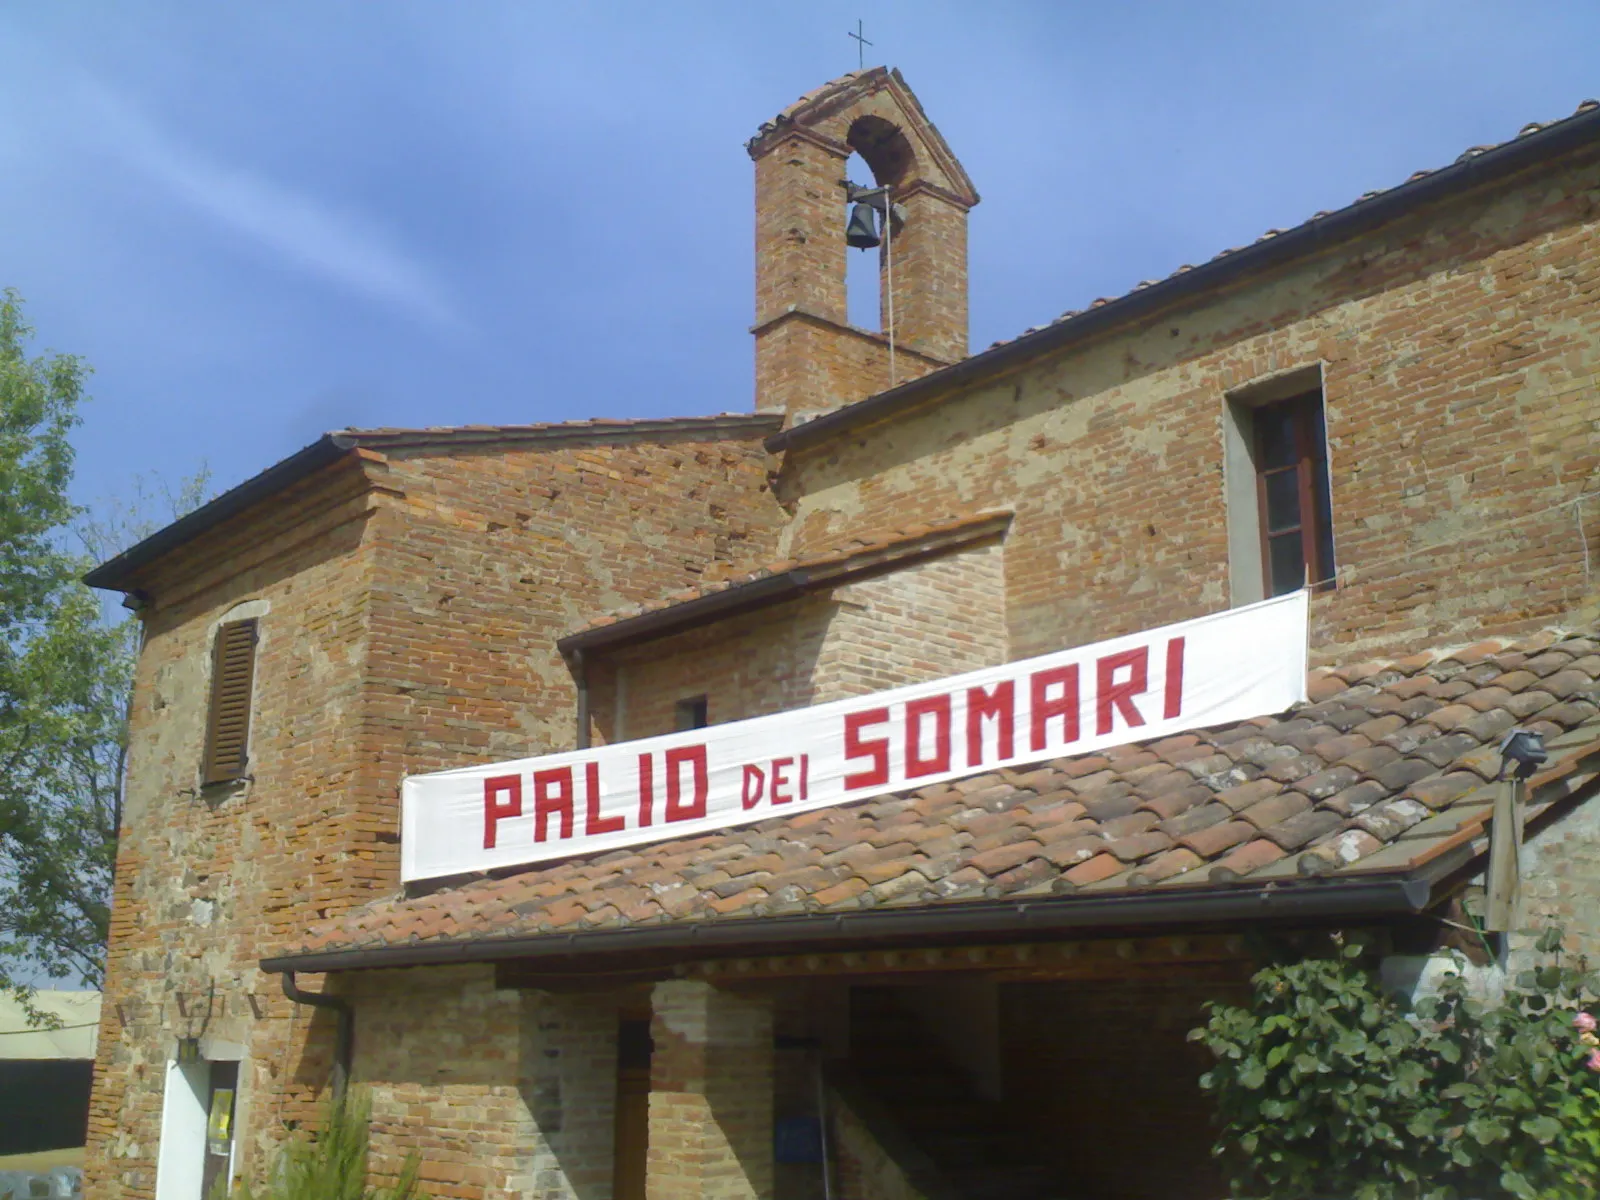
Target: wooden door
x,y
633,1110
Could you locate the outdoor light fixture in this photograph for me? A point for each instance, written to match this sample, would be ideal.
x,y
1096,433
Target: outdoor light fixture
x,y
1524,751
188,1050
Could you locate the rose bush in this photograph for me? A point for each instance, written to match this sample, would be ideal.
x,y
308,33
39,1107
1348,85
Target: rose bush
x,y
1328,1085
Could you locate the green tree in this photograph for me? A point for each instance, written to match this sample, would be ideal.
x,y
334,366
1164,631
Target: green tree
x,y
65,676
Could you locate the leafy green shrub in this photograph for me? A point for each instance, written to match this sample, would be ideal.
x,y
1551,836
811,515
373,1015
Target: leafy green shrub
x,y
1328,1086
332,1164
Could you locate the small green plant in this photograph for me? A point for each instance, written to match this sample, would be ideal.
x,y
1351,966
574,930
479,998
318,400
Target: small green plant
x,y
332,1164
1327,1085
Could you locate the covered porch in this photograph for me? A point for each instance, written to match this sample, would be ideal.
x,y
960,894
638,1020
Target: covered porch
x,y
1031,1070
981,987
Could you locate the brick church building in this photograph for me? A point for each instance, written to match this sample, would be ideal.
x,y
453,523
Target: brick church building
x,y
974,988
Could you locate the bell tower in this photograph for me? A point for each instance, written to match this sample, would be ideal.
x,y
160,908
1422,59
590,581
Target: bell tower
x,y
809,358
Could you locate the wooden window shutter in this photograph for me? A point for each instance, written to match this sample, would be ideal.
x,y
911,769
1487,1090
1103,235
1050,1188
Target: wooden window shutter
x,y
233,670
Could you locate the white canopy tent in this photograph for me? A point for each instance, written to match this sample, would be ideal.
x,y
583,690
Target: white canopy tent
x,y
77,1012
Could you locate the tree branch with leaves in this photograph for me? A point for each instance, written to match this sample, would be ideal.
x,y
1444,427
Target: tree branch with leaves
x,y
66,673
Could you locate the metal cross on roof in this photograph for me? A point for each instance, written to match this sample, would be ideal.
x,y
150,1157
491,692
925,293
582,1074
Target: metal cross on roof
x,y
861,46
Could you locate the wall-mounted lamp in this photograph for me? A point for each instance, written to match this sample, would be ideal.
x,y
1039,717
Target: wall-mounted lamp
x,y
1524,752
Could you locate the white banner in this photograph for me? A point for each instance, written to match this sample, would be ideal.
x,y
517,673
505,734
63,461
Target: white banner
x,y
1247,662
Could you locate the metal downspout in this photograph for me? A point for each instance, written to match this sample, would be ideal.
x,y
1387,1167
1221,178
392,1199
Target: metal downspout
x,y
344,1032
580,671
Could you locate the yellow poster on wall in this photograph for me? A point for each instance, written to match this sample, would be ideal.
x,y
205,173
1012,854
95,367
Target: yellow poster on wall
x,y
219,1126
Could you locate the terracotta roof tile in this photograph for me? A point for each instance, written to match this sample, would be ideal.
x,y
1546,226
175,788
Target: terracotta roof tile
x,y
748,425
1125,819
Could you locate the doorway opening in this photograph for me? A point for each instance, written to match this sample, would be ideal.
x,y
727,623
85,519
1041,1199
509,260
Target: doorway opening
x,y
197,1115
632,1135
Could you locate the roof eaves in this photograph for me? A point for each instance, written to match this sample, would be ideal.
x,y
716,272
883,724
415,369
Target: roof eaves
x,y
1279,901
722,425
1326,228
114,573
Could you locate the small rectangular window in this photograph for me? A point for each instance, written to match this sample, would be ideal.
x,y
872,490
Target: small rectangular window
x,y
1293,498
691,714
233,670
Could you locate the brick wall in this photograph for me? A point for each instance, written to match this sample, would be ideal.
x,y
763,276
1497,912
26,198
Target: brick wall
x,y
930,277
1561,886
748,666
863,1170
408,610
209,880
495,1091
1461,355
932,618
711,1079
938,617
806,365
486,559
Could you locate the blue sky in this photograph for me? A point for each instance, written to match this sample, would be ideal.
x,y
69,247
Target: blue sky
x,y
260,222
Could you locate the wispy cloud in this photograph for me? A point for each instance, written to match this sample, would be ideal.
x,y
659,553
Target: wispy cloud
x,y
342,247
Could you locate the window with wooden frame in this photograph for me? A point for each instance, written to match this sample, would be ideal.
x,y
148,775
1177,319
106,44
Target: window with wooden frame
x,y
1293,496
233,671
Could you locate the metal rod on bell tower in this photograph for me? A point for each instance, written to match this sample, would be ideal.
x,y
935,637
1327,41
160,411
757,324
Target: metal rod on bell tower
x,y
888,260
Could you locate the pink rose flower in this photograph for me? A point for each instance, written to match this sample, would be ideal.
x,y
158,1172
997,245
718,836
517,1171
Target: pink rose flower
x,y
1593,1061
1585,1023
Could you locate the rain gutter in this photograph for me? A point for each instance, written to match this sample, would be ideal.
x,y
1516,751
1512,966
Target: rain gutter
x,y
1278,901
113,573
344,1032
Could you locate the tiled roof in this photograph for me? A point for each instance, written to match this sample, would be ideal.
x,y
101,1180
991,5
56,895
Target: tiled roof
x,y
716,424
1466,155
817,93
819,104
117,573
1382,772
867,551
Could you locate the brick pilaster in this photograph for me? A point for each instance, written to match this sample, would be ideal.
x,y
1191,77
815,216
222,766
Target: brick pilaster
x,y
710,1095
930,276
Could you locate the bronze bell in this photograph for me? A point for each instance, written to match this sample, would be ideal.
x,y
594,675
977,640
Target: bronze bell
x,y
862,231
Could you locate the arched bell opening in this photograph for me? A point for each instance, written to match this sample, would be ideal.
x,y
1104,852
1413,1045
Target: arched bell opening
x,y
882,157
885,149
863,264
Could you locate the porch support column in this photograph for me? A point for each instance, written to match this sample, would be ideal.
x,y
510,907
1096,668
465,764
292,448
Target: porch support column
x,y
710,1094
